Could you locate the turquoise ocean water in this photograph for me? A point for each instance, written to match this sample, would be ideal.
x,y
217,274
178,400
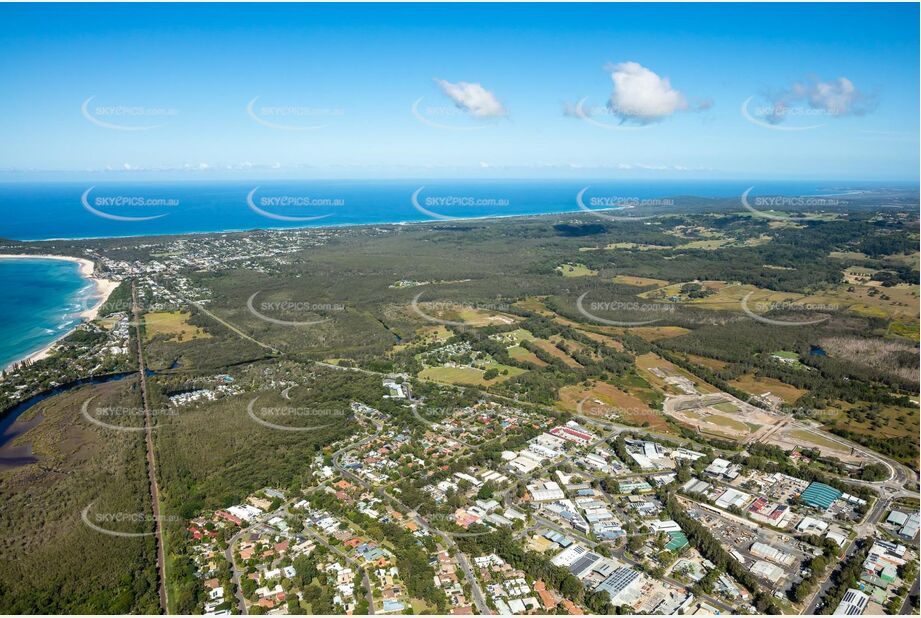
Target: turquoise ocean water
x,y
41,302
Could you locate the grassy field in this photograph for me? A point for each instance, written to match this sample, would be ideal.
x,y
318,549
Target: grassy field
x,y
723,296
860,275
520,354
657,333
520,334
726,407
635,246
642,282
650,360
905,259
628,406
710,363
707,245
811,438
899,302
908,331
848,255
173,325
424,335
730,423
469,375
551,349
535,305
760,385
576,270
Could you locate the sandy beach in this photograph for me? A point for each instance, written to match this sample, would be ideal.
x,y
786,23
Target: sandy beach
x,y
104,288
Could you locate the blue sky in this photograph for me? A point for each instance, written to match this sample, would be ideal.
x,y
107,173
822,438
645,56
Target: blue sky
x,y
162,91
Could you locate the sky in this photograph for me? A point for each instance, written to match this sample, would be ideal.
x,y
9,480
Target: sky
x,y
734,91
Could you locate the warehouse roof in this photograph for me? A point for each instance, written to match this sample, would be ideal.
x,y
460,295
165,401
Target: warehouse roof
x,y
820,495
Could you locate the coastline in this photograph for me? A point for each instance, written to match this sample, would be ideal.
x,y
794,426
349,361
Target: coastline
x,y
104,287
672,189
304,228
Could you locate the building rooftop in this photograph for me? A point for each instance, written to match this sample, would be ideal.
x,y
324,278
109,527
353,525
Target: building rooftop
x,y
820,495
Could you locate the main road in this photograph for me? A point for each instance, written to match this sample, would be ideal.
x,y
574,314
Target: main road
x,y
151,454
892,487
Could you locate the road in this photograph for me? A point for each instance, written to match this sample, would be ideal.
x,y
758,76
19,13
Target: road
x,y
826,583
283,511
478,599
433,426
151,454
912,593
477,593
365,582
233,328
864,530
890,488
235,571
894,485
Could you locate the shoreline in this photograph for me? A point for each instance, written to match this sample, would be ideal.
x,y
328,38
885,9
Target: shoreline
x,y
555,211
563,210
87,269
304,228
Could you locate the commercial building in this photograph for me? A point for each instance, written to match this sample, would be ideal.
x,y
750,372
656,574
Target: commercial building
x,y
820,496
762,550
722,468
545,492
569,555
853,603
573,432
624,586
732,497
768,571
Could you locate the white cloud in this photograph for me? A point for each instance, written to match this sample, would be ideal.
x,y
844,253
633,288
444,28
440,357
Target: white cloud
x,y
574,110
642,96
473,98
838,97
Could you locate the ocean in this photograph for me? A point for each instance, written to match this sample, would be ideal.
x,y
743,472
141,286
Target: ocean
x,y
33,211
42,296
41,302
